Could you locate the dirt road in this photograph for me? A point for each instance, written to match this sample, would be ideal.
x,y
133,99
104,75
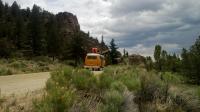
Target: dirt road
x,y
21,84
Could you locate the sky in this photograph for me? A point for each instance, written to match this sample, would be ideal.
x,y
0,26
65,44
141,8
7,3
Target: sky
x,y
136,25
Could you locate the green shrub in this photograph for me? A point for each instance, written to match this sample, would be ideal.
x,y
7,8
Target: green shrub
x,y
109,70
41,63
186,100
58,99
2,100
69,62
58,78
42,58
131,80
67,70
118,86
60,96
18,65
83,79
172,78
5,71
198,92
3,61
152,88
105,81
112,101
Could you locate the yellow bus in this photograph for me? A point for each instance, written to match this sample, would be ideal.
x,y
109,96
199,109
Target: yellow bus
x,y
94,61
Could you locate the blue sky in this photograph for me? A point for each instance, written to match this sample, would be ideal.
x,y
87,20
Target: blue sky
x,y
137,25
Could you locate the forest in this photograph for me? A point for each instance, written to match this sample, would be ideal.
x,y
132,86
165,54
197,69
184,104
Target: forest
x,y
187,63
37,32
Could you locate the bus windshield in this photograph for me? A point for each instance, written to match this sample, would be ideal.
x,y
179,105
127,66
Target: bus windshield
x,y
91,57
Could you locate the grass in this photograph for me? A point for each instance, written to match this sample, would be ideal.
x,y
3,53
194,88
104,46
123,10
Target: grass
x,y
71,89
173,78
198,92
20,66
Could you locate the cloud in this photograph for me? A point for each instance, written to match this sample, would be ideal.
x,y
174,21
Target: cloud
x,y
171,22
137,25
124,7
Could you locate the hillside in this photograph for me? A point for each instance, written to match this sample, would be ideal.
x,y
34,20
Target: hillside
x,y
37,32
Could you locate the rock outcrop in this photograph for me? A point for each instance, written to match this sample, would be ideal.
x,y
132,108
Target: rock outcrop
x,y
69,25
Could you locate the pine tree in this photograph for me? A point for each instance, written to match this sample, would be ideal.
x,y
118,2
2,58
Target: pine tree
x,y
124,51
148,63
102,44
191,62
76,51
1,18
157,56
37,32
113,52
163,60
1,9
52,37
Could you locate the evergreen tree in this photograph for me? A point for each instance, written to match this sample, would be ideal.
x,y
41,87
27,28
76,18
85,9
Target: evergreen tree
x,y
52,37
113,52
148,63
191,62
163,60
37,32
124,51
76,51
102,44
1,18
1,8
157,56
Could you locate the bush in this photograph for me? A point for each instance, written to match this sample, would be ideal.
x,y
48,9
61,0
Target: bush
x,y
152,88
5,71
186,100
112,101
83,80
60,96
172,78
69,62
62,76
131,80
2,100
198,92
105,81
58,99
42,58
18,65
118,86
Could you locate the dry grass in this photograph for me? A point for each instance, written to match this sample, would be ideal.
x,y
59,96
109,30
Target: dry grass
x,y
19,66
20,103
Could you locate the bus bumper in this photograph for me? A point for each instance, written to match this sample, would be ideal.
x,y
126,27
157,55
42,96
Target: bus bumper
x,y
92,67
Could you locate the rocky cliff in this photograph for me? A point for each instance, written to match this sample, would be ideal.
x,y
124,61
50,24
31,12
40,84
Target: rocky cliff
x,y
69,25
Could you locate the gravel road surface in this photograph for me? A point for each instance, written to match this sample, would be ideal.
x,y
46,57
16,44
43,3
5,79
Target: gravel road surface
x,y
19,84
